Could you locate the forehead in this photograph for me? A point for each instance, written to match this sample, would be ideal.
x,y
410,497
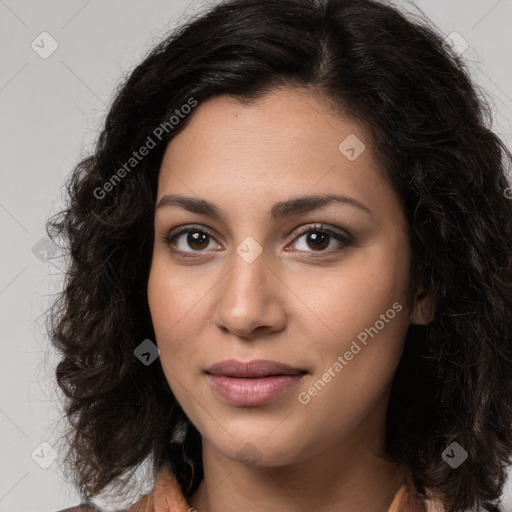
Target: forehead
x,y
287,143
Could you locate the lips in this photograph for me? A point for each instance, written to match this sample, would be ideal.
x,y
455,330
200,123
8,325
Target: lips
x,y
252,369
253,383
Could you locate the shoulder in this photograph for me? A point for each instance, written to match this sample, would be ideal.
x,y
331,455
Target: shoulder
x,y
432,505
144,504
83,507
166,494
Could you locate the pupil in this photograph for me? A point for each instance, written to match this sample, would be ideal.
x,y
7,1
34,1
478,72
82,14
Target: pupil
x,y
319,240
194,238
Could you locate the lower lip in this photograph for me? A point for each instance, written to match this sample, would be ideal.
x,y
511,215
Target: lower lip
x,y
252,391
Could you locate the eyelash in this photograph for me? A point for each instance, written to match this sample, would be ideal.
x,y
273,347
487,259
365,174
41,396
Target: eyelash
x,y
344,239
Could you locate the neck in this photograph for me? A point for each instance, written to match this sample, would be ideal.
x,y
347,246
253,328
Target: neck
x,y
342,478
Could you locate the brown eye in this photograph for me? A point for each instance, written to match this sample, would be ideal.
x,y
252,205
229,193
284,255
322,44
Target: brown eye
x,y
196,239
318,238
318,241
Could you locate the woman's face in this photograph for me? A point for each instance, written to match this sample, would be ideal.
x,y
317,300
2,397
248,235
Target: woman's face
x,y
247,282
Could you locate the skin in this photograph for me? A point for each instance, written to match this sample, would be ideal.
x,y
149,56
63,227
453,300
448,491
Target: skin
x,y
287,305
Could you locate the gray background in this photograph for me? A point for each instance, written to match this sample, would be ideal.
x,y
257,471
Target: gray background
x,y
51,110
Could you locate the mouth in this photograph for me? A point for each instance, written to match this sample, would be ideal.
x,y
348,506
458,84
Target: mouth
x,y
252,369
252,383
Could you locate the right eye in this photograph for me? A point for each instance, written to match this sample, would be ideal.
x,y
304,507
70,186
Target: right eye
x,y
198,239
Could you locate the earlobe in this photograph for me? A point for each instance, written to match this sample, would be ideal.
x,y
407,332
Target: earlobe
x,y
423,309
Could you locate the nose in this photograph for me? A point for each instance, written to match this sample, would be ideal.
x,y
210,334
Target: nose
x,y
251,300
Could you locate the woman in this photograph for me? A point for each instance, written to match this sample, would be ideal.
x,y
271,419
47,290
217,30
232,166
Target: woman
x,y
291,272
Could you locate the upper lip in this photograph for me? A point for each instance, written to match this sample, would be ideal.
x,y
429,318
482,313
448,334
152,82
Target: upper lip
x,y
255,368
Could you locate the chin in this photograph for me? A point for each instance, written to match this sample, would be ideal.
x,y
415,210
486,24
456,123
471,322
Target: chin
x,y
260,450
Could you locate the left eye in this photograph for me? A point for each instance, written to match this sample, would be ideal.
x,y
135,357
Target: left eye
x,y
316,238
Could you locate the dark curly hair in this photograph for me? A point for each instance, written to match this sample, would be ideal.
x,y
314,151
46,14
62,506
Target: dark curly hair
x,y
430,126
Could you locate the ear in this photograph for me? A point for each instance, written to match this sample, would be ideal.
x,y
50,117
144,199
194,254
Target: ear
x,y
423,308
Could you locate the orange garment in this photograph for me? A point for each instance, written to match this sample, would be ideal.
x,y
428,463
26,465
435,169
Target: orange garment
x,y
167,496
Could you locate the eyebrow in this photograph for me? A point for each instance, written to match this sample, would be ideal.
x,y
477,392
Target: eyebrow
x,y
279,211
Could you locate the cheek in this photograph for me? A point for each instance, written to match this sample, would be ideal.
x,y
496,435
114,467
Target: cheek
x,y
365,315
166,303
178,315
352,300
